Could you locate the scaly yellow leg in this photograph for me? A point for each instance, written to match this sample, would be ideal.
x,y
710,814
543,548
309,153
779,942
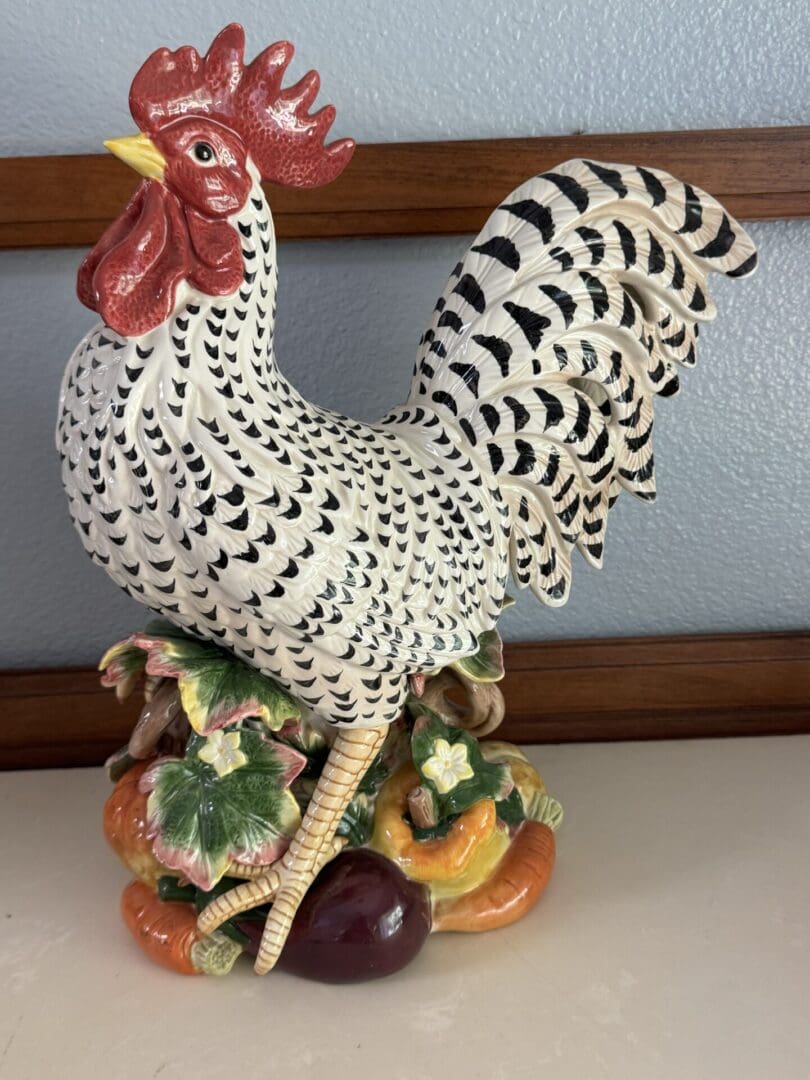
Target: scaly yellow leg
x,y
260,887
352,753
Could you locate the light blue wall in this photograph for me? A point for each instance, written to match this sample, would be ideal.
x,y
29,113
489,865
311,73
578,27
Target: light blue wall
x,y
725,548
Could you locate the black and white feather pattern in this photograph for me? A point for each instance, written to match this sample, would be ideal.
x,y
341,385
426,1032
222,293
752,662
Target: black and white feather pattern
x,y
335,556
575,306
340,557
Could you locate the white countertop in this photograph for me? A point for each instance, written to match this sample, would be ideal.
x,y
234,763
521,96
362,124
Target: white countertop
x,y
672,942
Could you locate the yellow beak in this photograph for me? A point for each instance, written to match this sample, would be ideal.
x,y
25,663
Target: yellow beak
x,y
139,152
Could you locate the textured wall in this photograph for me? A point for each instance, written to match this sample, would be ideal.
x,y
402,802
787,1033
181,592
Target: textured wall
x,y
429,70
725,548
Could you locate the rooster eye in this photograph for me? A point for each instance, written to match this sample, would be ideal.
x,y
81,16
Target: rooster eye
x,y
202,151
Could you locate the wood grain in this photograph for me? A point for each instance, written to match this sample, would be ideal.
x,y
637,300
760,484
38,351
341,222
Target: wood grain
x,y
422,188
558,691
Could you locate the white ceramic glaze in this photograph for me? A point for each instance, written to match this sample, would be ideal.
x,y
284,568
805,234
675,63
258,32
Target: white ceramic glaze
x,y
340,557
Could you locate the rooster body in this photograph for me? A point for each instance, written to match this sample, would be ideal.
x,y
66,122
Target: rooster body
x,y
335,556
338,557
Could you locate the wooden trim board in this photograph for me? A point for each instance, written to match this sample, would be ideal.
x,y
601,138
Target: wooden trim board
x,y
558,691
422,188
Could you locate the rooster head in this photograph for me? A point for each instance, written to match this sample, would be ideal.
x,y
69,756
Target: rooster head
x,y
202,121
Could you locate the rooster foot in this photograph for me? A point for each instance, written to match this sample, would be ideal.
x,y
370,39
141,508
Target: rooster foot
x,y
261,887
315,843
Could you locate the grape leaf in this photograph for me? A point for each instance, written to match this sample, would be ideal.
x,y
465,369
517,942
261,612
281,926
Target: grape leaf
x,y
216,688
121,666
201,822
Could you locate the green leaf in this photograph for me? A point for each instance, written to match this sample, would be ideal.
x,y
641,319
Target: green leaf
x,y
375,776
121,666
357,822
487,664
510,810
216,688
470,779
435,832
169,888
201,822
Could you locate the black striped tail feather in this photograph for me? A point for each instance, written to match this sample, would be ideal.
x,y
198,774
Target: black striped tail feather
x,y
576,306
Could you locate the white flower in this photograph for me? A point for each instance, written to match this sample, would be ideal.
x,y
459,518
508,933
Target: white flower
x,y
448,765
222,751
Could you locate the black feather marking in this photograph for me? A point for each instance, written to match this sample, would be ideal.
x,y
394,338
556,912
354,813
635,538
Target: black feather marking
x,y
564,301
250,554
611,177
569,187
600,445
693,217
553,467
639,475
563,257
567,515
520,412
468,430
441,397
532,323
451,319
672,387
580,428
502,249
721,244
526,458
495,457
744,268
628,243
594,241
698,301
531,211
469,375
240,522
501,350
636,442
657,259
678,274
589,356
469,289
598,293
655,188
491,417
553,406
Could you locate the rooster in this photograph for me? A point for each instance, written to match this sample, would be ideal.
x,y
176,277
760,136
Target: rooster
x,y
341,558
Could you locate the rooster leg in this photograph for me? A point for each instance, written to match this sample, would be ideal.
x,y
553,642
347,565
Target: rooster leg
x,y
260,887
352,752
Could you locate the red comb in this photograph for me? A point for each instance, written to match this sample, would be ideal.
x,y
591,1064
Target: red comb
x,y
283,139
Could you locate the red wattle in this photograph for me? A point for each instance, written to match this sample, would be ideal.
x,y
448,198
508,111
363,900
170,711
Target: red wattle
x,y
216,255
131,276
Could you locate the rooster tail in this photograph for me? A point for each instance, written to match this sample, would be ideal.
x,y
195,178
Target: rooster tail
x,y
576,305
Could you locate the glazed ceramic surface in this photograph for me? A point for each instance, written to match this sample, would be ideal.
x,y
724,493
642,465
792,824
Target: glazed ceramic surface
x,y
335,556
316,570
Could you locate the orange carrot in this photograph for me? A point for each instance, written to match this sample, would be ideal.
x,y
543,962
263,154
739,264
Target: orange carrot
x,y
125,826
514,887
166,930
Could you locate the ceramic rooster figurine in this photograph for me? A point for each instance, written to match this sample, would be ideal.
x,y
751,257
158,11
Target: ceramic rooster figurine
x,y
337,558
